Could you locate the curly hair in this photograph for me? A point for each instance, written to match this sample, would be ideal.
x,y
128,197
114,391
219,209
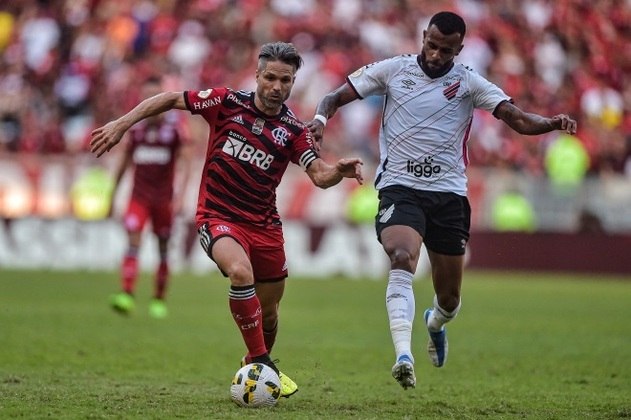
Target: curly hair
x,y
448,23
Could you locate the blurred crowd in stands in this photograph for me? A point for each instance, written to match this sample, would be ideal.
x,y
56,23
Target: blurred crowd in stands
x,y
67,66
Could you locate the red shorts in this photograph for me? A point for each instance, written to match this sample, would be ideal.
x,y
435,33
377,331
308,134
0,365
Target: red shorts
x,y
138,212
265,246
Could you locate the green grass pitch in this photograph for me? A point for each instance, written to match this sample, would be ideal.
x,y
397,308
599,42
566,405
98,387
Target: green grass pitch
x,y
528,346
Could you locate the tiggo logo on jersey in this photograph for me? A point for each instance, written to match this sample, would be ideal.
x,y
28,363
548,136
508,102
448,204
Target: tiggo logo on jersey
x,y
247,153
425,169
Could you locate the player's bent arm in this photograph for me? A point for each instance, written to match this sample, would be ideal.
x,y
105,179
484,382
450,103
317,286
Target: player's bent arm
x,y
108,136
333,100
324,175
327,107
532,124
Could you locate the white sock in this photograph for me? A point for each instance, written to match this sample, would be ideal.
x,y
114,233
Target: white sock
x,y
439,317
401,307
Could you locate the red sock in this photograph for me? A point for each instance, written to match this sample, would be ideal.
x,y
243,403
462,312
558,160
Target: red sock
x,y
246,311
129,273
162,278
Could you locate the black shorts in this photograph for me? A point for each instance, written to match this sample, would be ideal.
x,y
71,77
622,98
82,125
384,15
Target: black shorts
x,y
443,219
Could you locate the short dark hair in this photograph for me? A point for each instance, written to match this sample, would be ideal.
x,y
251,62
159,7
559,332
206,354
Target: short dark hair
x,y
281,51
448,23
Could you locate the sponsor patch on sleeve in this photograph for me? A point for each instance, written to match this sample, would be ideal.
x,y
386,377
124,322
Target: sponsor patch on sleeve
x,y
205,93
357,72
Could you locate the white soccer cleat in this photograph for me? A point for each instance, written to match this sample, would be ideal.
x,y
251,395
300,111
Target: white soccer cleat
x,y
403,372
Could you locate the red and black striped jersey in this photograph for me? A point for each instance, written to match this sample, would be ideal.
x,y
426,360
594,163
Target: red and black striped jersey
x,y
247,155
154,145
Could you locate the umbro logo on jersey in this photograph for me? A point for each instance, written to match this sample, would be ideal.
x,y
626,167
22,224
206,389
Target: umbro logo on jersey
x,y
238,119
407,84
450,91
386,214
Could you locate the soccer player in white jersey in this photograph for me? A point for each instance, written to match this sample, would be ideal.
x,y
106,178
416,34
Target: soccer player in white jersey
x,y
429,103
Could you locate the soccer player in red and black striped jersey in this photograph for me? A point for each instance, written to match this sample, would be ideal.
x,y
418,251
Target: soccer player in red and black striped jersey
x,y
154,148
253,137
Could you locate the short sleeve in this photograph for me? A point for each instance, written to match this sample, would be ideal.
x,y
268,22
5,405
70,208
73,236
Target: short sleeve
x,y
372,79
304,150
204,101
485,94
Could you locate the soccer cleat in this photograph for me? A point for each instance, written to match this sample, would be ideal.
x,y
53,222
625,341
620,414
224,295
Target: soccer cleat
x,y
403,372
437,346
158,309
122,303
287,386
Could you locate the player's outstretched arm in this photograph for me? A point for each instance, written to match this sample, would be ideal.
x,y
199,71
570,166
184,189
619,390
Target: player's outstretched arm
x,y
108,136
327,108
324,175
532,124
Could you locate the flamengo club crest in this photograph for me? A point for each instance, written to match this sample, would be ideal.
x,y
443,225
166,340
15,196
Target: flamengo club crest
x,y
257,127
280,135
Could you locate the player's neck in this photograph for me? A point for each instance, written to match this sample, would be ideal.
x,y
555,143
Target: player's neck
x,y
270,112
433,74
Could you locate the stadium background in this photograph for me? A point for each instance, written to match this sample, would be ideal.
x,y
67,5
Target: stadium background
x,y
68,66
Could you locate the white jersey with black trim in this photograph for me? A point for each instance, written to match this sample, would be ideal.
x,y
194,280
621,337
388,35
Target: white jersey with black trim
x,y
426,122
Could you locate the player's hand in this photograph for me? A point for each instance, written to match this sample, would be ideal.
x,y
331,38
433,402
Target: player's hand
x,y
317,131
564,122
106,137
351,168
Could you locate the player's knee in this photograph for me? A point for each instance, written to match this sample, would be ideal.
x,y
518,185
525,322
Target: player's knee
x,y
240,274
449,303
402,259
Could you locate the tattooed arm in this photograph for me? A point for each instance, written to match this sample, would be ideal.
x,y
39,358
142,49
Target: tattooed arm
x,y
532,124
327,108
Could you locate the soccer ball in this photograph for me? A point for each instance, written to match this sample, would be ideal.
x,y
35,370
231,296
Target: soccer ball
x,y
255,385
